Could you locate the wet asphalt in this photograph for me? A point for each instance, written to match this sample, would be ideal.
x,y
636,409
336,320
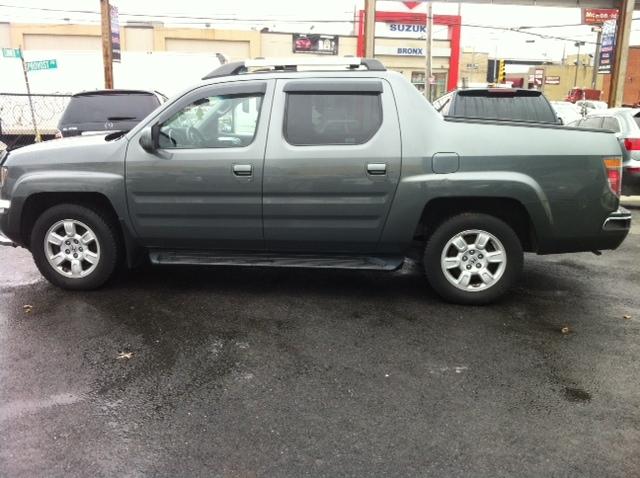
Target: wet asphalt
x,y
239,372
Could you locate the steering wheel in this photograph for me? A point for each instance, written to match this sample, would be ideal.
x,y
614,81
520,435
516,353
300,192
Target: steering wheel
x,y
195,136
168,136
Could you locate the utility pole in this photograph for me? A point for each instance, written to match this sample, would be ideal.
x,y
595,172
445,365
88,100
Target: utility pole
x,y
619,69
107,52
575,79
428,90
369,28
596,59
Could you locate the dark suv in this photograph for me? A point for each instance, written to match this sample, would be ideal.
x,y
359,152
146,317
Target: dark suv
x,y
102,111
499,104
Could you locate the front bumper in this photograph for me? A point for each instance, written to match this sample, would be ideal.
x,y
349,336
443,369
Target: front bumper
x,y
4,209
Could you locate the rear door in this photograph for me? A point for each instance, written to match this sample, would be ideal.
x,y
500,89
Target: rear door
x,y
332,164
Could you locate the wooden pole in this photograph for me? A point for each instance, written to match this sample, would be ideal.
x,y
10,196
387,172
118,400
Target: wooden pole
x,y
596,60
619,70
107,52
369,28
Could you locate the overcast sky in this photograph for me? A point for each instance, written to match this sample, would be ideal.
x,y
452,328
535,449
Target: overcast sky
x,y
333,16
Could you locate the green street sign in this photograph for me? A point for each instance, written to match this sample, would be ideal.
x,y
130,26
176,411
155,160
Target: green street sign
x,y
42,65
11,53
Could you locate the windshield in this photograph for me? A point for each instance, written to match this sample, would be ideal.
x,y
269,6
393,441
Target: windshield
x,y
110,107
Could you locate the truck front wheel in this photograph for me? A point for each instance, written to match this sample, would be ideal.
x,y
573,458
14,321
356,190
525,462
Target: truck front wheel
x,y
473,258
75,247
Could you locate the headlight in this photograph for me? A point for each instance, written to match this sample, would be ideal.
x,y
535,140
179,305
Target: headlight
x,y
4,173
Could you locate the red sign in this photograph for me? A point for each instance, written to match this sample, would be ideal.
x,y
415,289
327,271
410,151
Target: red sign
x,y
597,16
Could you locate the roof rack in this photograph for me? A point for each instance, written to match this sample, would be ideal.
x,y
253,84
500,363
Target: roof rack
x,y
292,64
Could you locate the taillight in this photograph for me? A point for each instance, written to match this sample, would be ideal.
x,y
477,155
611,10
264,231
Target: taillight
x,y
614,173
632,144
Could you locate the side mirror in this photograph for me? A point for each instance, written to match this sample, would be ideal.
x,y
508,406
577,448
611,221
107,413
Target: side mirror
x,y
147,140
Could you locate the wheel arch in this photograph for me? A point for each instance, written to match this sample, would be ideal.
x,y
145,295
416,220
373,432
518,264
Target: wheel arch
x,y
35,204
509,210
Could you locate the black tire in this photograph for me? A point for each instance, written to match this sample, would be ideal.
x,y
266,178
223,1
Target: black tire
x,y
445,232
106,236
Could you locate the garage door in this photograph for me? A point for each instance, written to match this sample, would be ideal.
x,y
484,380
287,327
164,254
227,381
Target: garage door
x,y
234,50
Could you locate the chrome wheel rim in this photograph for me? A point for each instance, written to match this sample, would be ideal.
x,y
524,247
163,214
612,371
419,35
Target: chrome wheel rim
x,y
72,248
473,260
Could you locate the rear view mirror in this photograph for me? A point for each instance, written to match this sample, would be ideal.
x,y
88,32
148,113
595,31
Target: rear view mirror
x,y
246,107
147,141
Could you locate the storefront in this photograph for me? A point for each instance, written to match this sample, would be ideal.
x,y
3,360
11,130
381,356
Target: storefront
x,y
400,45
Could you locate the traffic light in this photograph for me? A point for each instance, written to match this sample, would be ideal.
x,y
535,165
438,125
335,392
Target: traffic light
x,y
502,74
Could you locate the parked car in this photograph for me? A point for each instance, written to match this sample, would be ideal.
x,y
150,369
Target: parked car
x,y
101,111
589,106
510,104
625,123
566,112
328,168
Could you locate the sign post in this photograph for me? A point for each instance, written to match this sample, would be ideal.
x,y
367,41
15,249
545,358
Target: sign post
x,y
25,68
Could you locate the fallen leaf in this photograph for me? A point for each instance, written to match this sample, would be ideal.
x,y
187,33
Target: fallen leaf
x,y
565,330
627,317
125,355
28,308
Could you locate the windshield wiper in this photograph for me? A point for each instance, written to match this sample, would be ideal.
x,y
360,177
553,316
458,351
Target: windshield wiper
x,y
121,118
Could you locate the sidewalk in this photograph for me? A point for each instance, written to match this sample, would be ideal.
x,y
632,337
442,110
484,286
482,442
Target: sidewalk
x,y
630,201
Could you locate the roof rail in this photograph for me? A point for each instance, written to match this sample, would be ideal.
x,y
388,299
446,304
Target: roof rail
x,y
292,64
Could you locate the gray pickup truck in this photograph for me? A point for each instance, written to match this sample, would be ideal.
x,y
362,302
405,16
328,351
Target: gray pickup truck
x,y
339,166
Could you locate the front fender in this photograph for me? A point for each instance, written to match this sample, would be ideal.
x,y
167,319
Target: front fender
x,y
110,185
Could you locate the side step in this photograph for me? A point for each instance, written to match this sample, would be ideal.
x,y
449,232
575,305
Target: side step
x,y
261,259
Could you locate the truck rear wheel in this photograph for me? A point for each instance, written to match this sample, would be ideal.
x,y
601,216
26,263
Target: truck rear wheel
x,y
473,258
75,247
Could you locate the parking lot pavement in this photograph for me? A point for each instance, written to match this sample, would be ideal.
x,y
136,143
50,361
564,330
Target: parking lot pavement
x,y
274,372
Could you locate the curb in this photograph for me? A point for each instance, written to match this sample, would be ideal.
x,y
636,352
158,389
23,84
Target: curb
x,y
630,201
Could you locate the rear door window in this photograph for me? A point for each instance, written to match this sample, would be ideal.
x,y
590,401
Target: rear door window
x,y
331,118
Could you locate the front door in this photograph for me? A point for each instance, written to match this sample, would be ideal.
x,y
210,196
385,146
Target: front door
x,y
332,164
202,187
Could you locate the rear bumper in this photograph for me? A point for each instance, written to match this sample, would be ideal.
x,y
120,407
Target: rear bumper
x,y
618,221
613,231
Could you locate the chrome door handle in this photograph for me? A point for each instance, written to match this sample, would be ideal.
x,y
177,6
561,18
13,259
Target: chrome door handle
x,y
242,169
377,168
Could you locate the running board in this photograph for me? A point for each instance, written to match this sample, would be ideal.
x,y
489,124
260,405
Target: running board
x,y
260,259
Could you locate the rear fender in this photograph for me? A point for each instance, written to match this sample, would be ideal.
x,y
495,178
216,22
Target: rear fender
x,y
415,192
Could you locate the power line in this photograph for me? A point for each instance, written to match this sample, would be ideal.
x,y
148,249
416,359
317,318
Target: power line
x,y
212,19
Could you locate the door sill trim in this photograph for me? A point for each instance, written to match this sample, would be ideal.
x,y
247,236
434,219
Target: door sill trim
x,y
262,259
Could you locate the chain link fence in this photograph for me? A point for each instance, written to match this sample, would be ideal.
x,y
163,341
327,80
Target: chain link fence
x,y
16,120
